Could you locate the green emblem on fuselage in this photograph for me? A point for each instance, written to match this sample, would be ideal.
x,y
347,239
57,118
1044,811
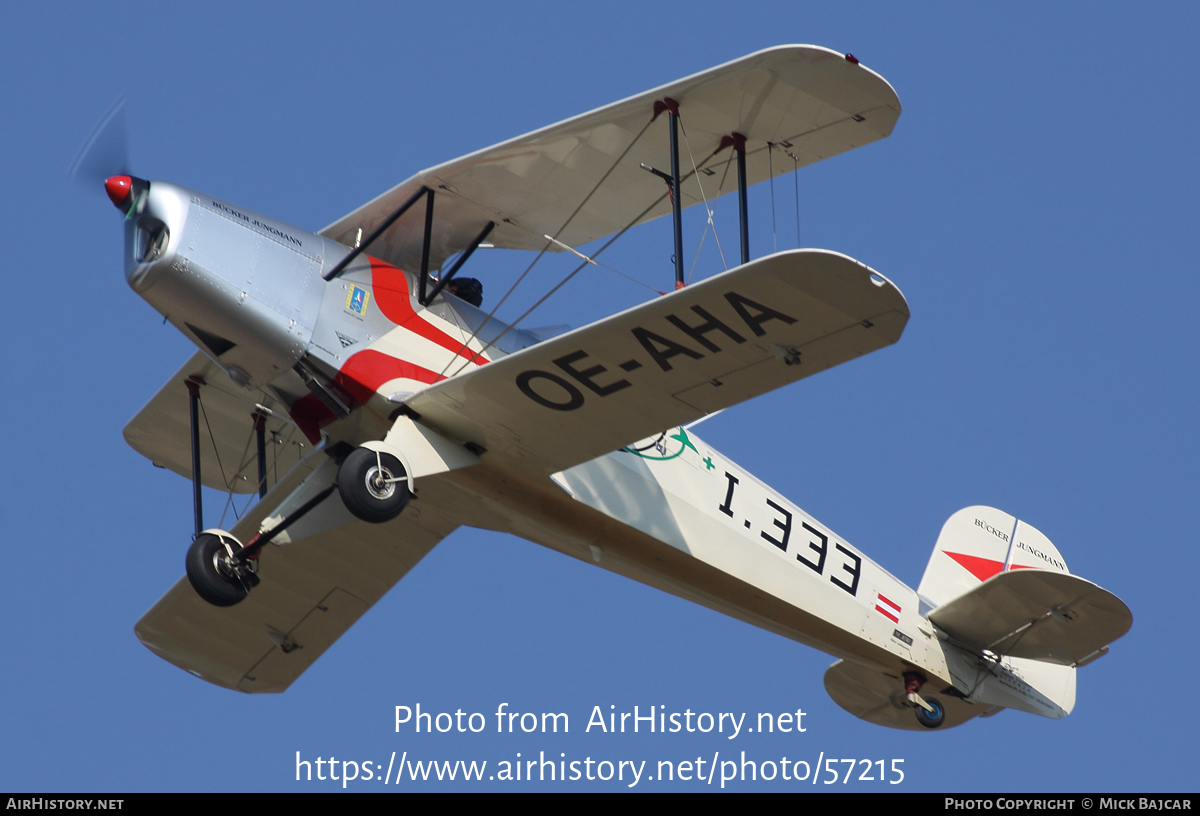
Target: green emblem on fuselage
x,y
669,445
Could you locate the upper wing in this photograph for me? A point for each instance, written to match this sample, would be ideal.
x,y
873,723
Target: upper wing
x,y
161,430
669,361
810,103
1036,614
315,591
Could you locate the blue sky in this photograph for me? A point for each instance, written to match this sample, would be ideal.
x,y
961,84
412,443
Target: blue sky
x,y
1034,204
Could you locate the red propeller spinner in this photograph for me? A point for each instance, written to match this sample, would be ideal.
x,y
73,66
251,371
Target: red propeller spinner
x,y
118,188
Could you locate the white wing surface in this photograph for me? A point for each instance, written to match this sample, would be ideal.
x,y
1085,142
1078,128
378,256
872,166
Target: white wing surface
x,y
810,103
669,361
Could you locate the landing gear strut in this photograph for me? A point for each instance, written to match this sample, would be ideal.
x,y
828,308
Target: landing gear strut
x,y
222,571
373,486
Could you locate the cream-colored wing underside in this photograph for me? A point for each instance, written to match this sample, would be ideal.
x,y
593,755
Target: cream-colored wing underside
x,y
330,570
576,181
161,431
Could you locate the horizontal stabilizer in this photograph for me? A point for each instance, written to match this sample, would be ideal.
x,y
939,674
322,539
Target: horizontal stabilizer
x,y
877,696
669,361
1037,614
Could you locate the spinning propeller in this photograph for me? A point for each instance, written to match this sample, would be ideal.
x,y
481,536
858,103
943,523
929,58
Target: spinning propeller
x,y
104,157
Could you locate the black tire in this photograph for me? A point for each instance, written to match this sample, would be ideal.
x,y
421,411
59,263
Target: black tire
x,y
931,720
364,493
209,583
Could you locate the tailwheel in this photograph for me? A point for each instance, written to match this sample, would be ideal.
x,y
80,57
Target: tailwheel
x,y
373,485
934,718
216,573
930,713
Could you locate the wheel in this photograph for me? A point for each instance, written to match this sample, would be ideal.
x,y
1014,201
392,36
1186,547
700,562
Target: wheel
x,y
369,492
933,720
206,576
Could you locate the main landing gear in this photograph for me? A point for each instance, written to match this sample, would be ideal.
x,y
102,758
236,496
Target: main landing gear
x,y
374,487
215,571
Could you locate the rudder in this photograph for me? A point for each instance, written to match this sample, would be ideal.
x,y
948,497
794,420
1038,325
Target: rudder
x,y
979,542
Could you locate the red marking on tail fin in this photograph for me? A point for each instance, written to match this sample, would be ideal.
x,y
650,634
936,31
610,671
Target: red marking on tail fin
x,y
981,568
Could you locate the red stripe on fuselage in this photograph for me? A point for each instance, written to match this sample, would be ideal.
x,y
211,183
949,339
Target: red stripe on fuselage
x,y
359,379
365,371
390,286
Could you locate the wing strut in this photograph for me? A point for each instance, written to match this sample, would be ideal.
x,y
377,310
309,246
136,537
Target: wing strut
x,y
672,108
738,142
425,245
260,449
193,384
462,259
735,140
424,298
387,222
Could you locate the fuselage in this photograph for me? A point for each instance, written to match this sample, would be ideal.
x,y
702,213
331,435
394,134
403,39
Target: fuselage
x,y
670,511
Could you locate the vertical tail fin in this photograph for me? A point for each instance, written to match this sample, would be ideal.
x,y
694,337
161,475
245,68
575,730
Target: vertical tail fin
x,y
979,542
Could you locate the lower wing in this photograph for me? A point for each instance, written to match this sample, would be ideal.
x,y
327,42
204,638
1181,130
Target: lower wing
x,y
669,361
318,588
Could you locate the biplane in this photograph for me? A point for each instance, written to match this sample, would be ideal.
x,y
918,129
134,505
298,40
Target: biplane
x,y
350,378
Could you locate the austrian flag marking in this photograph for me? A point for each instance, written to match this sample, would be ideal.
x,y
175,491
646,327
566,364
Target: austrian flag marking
x,y
889,609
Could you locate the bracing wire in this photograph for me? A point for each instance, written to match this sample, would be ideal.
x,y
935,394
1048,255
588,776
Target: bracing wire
x,y
720,187
476,354
561,283
538,257
212,439
637,218
229,497
703,198
640,283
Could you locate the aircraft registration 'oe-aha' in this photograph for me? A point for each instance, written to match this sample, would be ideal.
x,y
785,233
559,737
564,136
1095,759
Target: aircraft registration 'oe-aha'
x,y
414,411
